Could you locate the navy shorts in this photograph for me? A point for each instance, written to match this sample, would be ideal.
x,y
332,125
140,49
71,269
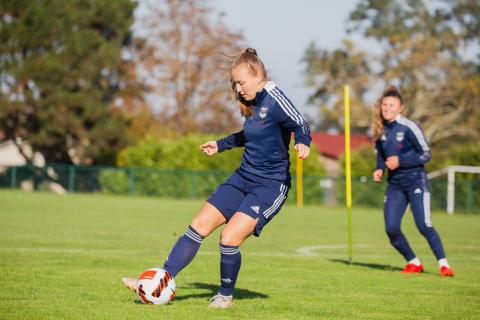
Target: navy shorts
x,y
255,196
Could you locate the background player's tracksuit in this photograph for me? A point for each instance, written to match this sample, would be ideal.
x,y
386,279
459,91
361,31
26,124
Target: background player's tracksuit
x,y
407,184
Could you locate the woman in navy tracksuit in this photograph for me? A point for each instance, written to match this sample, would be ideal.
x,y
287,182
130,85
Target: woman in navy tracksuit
x,y
257,190
402,148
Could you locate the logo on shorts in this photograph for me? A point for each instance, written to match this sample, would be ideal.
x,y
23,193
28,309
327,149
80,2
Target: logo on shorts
x,y
417,190
263,112
384,137
400,136
255,208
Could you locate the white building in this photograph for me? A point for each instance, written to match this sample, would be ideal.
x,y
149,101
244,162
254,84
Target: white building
x,y
10,156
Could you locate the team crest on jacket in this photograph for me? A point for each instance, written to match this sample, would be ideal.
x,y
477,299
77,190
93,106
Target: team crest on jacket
x,y
400,136
263,112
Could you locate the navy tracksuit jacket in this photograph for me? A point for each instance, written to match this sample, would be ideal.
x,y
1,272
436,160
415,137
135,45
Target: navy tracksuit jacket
x,y
266,135
407,184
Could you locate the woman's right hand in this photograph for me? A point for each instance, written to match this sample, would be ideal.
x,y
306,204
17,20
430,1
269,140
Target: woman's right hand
x,y
209,148
377,175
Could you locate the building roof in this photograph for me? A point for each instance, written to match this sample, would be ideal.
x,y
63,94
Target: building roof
x,y
333,145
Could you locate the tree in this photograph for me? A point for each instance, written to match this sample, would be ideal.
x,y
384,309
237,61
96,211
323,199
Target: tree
x,y
60,70
423,52
328,72
178,51
422,45
130,101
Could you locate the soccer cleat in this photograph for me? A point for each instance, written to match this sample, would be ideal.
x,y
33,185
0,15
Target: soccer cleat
x,y
130,283
446,271
412,268
221,302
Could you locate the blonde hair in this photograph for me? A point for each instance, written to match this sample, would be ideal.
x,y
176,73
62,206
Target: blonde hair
x,y
378,120
250,60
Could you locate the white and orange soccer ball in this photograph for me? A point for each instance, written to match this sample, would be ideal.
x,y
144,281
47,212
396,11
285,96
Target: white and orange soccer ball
x,y
156,286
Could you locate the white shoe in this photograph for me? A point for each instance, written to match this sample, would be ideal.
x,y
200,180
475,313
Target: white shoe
x,y
221,302
130,283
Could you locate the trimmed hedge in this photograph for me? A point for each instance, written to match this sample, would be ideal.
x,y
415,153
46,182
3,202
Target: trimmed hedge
x,y
177,168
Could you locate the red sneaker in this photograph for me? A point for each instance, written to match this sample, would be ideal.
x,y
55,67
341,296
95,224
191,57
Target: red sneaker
x,y
412,268
446,272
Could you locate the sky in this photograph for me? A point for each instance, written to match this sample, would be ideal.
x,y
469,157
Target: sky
x,y
281,31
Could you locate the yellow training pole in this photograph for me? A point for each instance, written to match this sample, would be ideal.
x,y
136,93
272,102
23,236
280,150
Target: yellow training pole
x,y
348,171
299,182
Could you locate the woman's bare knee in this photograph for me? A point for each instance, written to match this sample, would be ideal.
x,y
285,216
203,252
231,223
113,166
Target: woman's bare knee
x,y
239,228
207,220
230,239
201,226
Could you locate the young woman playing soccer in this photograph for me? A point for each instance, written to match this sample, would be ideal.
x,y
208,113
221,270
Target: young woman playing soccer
x,y
257,190
402,149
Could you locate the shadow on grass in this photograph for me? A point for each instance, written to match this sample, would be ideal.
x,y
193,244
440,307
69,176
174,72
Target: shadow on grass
x,y
368,265
376,266
213,290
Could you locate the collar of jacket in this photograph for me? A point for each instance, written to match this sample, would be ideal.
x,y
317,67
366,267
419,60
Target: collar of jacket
x,y
394,122
259,97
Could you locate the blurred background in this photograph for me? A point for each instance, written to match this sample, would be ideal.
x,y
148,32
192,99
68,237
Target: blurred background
x,y
116,96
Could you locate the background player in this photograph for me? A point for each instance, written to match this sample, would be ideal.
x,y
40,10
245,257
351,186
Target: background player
x,y
402,148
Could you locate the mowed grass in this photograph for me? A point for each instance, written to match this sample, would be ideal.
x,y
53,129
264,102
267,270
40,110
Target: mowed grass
x,y
62,257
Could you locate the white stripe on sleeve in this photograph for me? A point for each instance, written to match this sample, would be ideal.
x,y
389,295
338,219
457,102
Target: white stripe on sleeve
x,y
416,131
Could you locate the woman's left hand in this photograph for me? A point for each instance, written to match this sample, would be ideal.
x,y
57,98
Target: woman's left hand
x,y
303,150
392,162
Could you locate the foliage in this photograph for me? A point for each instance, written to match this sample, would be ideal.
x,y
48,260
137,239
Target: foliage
x,y
180,49
423,49
312,166
185,153
423,54
463,154
189,172
178,153
466,185
143,122
328,72
60,69
114,181
365,192
186,172
363,161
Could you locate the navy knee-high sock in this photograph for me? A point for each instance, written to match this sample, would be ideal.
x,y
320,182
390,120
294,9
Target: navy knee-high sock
x,y
183,251
230,261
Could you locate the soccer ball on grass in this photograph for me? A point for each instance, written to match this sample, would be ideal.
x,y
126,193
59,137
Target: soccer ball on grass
x,y
156,286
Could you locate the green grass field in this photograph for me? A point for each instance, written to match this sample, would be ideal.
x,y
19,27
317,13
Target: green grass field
x,y
62,257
